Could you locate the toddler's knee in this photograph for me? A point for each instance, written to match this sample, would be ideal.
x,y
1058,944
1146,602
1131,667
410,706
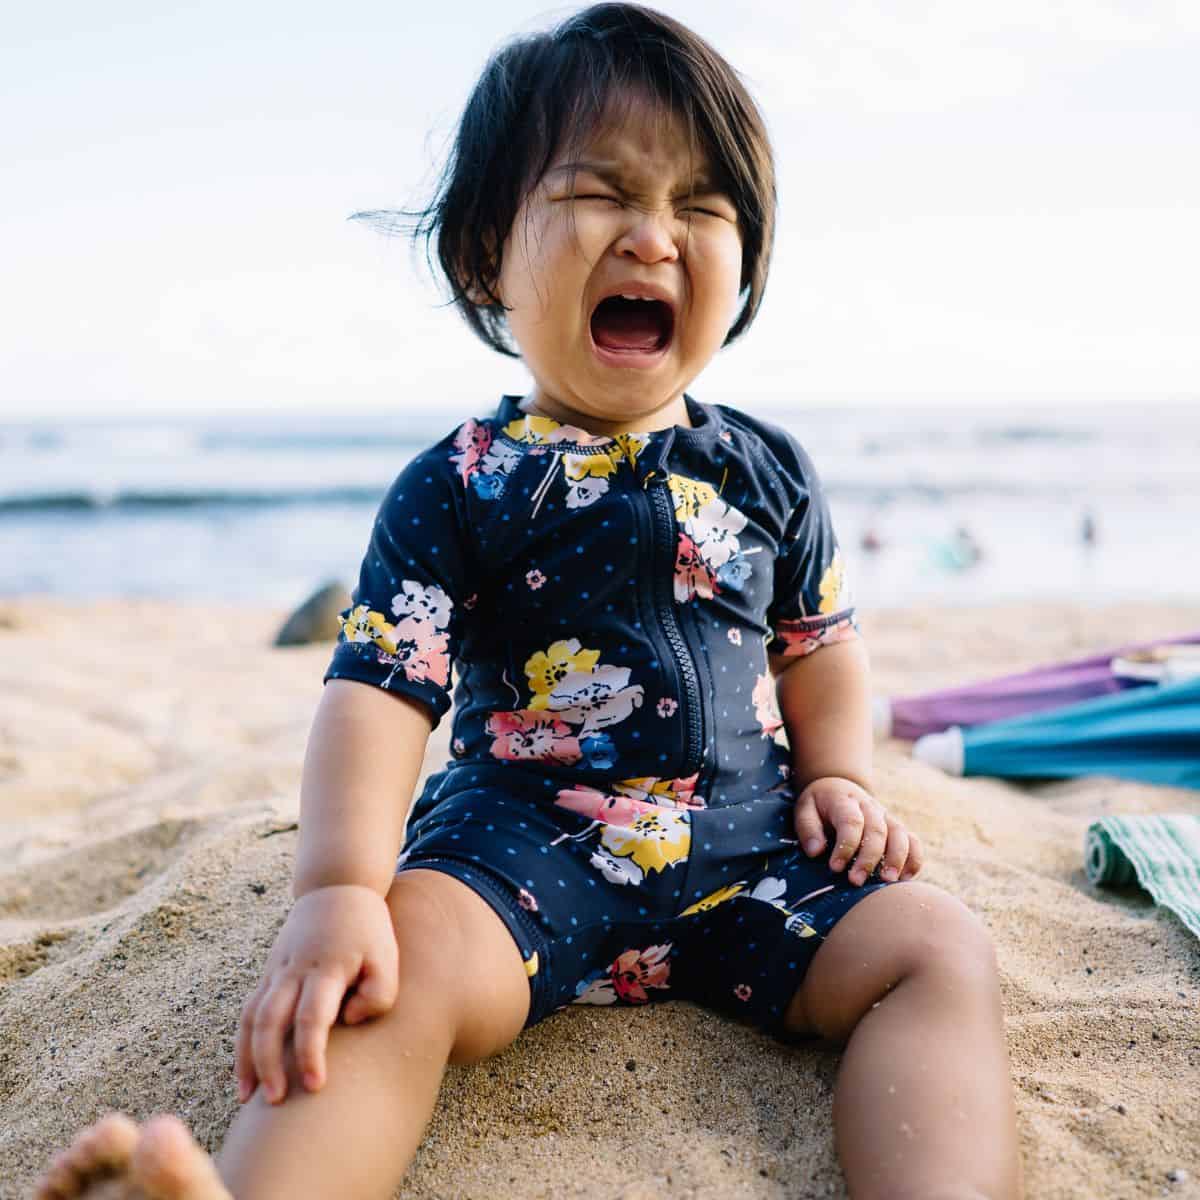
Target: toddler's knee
x,y
947,935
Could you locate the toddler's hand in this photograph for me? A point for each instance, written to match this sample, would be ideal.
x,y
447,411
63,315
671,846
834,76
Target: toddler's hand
x,y
334,938
861,824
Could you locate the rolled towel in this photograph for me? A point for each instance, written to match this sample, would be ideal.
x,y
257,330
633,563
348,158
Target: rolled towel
x,y
1161,852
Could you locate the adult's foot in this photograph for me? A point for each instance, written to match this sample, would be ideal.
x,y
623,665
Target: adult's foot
x,y
116,1158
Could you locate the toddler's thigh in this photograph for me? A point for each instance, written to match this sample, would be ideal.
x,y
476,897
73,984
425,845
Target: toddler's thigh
x,y
454,944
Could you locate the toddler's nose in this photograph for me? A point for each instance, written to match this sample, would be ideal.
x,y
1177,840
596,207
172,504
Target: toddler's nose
x,y
652,237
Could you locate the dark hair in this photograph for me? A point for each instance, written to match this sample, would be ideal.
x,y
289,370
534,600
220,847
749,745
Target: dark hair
x,y
542,93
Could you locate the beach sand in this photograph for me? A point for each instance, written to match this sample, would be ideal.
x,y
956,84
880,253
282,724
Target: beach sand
x,y
150,758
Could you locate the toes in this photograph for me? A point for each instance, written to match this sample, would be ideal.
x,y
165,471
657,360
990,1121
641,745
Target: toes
x,y
109,1144
103,1147
168,1164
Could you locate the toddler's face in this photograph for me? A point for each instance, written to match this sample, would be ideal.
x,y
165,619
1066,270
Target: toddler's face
x,y
630,213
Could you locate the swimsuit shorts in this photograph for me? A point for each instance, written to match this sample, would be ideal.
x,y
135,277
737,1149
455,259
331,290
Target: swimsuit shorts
x,y
644,902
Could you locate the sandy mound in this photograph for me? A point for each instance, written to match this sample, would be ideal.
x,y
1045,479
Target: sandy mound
x,y
149,771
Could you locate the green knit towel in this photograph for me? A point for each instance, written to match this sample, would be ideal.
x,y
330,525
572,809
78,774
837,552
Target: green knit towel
x,y
1161,853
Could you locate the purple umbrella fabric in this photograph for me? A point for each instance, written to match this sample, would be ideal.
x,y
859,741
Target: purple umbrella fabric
x,y
1045,687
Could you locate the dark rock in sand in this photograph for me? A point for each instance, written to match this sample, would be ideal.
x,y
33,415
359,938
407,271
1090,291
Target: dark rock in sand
x,y
316,620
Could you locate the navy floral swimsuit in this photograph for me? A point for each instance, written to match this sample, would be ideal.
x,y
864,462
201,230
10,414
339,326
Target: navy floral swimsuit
x,y
617,792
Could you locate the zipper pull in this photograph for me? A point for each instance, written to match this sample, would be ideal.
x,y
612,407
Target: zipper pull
x,y
648,477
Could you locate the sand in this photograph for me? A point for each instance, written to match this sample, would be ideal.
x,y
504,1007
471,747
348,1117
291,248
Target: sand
x,y
150,758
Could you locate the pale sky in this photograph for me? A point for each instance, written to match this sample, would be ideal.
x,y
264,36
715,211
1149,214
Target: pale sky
x,y
978,202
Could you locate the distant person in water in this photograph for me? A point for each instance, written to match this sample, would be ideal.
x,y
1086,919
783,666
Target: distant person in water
x,y
1087,530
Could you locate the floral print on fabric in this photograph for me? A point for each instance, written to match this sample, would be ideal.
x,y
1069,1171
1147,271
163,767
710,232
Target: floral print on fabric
x,y
770,890
653,841
573,698
418,643
627,977
483,463
766,705
708,556
630,798
806,634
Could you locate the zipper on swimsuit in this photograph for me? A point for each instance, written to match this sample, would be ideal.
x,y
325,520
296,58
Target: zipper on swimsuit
x,y
665,539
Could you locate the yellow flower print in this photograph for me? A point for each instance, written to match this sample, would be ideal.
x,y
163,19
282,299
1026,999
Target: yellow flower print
x,y
691,495
630,445
713,899
530,429
546,669
580,466
833,585
364,625
531,965
655,840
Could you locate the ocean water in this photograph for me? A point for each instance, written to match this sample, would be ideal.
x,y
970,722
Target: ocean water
x,y
962,505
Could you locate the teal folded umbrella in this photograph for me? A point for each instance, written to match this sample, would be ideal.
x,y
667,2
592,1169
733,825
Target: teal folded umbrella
x,y
1161,853
1150,734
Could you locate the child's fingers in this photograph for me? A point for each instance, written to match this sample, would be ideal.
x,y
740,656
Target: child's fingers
x,y
375,991
809,829
243,1058
896,854
317,1010
271,1020
848,822
872,846
916,857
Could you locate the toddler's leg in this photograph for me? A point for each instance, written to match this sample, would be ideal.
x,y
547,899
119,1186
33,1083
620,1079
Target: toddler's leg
x,y
464,995
923,1107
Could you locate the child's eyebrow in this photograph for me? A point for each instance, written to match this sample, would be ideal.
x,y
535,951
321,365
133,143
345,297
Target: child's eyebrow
x,y
611,173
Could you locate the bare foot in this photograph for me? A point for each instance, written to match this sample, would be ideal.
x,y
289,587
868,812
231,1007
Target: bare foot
x,y
115,1158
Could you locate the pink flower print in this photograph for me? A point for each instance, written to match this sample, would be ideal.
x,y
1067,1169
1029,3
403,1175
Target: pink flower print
x,y
636,970
470,602
599,806
726,436
666,707
530,735
526,901
422,651
806,634
735,636
536,451
766,705
472,441
693,576
459,746
535,578
742,991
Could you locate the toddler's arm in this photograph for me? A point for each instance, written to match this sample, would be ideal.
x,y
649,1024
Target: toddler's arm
x,y
363,759
364,755
825,700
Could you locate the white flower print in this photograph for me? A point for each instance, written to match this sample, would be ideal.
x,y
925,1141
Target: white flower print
x,y
734,635
770,890
617,870
424,603
582,492
501,456
666,707
596,699
714,529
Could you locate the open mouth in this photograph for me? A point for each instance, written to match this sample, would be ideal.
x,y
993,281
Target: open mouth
x,y
632,326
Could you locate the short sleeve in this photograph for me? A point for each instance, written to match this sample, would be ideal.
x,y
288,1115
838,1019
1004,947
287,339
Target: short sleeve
x,y
404,625
812,604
